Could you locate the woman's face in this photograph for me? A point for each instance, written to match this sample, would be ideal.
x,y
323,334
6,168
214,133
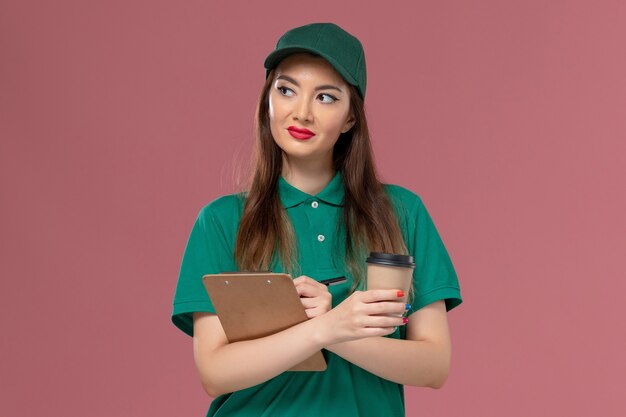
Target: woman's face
x,y
307,94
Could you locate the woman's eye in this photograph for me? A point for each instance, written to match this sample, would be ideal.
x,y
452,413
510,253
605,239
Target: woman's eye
x,y
329,98
283,90
325,98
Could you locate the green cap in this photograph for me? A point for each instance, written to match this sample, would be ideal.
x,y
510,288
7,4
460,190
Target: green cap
x,y
342,50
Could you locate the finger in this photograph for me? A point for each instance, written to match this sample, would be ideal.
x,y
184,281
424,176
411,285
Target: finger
x,y
372,296
300,279
304,279
377,331
314,312
310,302
385,321
385,307
303,287
307,289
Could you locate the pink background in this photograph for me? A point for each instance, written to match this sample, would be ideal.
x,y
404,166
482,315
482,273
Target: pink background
x,y
119,120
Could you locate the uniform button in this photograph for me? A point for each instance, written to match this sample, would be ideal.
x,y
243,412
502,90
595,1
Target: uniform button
x,y
320,238
314,204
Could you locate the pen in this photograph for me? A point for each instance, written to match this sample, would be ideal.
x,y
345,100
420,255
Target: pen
x,y
333,281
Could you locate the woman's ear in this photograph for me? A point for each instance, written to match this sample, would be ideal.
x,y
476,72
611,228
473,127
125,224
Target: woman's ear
x,y
348,125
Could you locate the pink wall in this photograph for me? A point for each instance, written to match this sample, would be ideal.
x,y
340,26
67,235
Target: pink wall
x,y
118,122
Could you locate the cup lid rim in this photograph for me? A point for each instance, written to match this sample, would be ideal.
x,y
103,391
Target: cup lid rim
x,y
391,259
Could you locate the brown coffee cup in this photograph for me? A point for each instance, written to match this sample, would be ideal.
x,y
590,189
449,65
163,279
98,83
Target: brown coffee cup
x,y
390,271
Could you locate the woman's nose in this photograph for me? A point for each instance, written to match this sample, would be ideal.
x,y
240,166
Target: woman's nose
x,y
302,111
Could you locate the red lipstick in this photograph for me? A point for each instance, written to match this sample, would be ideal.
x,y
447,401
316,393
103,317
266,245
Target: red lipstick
x,y
300,133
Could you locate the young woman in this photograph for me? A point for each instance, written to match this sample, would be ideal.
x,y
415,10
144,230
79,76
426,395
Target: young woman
x,y
315,209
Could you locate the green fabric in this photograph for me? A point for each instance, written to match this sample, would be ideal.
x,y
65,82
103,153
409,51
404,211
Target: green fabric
x,y
343,389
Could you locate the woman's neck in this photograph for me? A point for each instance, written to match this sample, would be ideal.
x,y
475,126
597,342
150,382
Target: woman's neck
x,y
308,178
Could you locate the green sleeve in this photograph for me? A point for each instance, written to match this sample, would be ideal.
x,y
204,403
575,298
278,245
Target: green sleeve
x,y
207,252
434,277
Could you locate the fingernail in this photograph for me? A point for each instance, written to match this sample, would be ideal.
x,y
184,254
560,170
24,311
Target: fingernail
x,y
407,306
405,320
400,293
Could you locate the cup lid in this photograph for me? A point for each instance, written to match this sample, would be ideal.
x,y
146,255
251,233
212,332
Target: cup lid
x,y
391,259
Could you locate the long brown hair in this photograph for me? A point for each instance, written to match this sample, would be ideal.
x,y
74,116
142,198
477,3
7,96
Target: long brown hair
x,y
265,230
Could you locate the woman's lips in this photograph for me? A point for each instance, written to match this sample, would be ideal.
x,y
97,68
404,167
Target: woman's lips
x,y
300,133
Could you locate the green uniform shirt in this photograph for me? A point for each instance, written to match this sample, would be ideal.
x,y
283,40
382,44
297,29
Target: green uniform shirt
x,y
344,389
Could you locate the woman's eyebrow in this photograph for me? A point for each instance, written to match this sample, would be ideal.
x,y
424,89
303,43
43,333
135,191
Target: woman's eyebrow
x,y
319,87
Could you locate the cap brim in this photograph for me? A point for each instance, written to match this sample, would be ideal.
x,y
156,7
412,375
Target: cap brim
x,y
275,57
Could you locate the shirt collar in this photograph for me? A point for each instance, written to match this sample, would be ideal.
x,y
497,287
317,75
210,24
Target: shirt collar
x,y
333,193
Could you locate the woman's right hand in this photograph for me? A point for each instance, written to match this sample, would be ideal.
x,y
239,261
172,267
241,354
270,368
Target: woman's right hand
x,y
363,314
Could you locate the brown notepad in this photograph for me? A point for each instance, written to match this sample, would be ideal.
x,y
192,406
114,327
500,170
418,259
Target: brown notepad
x,y
251,305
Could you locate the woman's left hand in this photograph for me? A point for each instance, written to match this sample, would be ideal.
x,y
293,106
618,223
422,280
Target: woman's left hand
x,y
315,297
